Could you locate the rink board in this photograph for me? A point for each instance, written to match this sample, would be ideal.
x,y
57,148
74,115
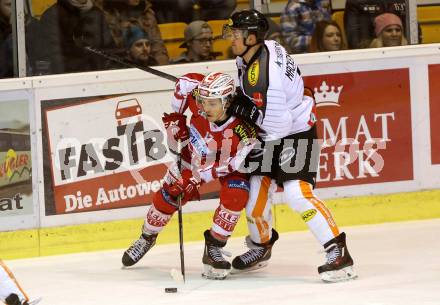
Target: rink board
x,y
385,97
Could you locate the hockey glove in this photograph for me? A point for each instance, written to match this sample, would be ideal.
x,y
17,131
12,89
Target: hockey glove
x,y
177,131
187,187
175,124
244,108
184,87
186,84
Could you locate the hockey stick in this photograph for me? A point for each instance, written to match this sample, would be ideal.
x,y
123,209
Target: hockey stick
x,y
180,219
35,302
131,65
182,253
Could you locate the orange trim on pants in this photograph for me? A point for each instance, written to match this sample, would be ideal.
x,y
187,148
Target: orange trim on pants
x,y
12,277
307,193
257,212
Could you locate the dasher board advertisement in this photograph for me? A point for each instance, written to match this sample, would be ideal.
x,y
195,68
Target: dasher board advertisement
x,y
434,110
15,159
101,153
104,153
364,121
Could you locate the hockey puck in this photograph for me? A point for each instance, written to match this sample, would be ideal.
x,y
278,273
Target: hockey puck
x,y
171,290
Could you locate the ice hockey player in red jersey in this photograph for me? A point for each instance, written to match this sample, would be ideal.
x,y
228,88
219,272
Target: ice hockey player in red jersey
x,y
217,145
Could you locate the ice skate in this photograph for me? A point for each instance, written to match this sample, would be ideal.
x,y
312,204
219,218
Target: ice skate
x,y
138,249
256,257
339,266
215,267
13,299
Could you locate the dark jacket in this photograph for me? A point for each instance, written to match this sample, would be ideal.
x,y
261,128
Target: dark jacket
x,y
66,30
5,29
359,19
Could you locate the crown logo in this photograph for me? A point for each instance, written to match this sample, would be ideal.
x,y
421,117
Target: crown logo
x,y
327,96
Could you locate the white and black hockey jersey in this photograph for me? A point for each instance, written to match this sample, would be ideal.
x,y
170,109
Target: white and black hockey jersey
x,y
273,81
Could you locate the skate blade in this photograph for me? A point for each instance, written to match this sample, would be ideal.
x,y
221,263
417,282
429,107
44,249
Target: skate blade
x,y
258,266
211,273
35,302
345,274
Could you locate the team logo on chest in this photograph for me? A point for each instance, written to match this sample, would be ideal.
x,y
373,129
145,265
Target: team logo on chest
x,y
197,141
253,73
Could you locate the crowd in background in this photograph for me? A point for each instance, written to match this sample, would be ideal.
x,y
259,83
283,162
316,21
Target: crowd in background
x,y
129,29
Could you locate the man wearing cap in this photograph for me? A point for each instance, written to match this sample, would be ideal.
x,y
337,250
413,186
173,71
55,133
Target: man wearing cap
x,y
198,42
138,47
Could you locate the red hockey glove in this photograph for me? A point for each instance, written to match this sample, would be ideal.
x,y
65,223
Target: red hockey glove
x,y
186,84
187,187
175,124
177,131
183,88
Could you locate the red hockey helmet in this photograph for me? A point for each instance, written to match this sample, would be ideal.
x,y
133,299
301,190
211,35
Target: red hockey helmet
x,y
216,85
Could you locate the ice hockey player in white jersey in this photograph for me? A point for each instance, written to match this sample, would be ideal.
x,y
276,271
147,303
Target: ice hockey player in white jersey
x,y
10,291
279,105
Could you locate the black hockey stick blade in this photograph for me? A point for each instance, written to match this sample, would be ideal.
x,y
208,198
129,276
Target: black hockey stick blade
x,y
131,65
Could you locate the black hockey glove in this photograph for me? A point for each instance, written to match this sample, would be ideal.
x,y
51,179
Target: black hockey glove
x,y
244,108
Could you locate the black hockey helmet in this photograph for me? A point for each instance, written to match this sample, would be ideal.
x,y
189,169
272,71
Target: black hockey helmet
x,y
248,20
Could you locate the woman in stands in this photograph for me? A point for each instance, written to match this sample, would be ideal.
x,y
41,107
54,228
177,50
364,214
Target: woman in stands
x,y
327,37
389,31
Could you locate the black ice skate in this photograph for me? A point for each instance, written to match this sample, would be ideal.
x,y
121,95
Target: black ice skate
x,y
256,257
339,266
13,299
138,249
215,267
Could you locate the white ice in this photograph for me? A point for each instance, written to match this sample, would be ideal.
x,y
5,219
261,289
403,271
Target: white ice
x,y
397,264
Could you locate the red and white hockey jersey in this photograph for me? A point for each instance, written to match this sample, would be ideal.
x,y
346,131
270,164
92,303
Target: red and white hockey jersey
x,y
215,151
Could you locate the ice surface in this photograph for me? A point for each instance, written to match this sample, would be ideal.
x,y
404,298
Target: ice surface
x,y
397,264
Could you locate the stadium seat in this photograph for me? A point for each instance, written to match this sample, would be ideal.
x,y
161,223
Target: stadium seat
x,y
172,35
172,31
430,33
429,20
276,19
217,27
428,14
222,46
38,7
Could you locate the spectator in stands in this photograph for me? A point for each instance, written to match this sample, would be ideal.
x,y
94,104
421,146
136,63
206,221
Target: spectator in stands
x,y
33,47
188,10
67,27
359,19
5,15
138,47
327,37
198,42
6,68
298,22
121,14
389,31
